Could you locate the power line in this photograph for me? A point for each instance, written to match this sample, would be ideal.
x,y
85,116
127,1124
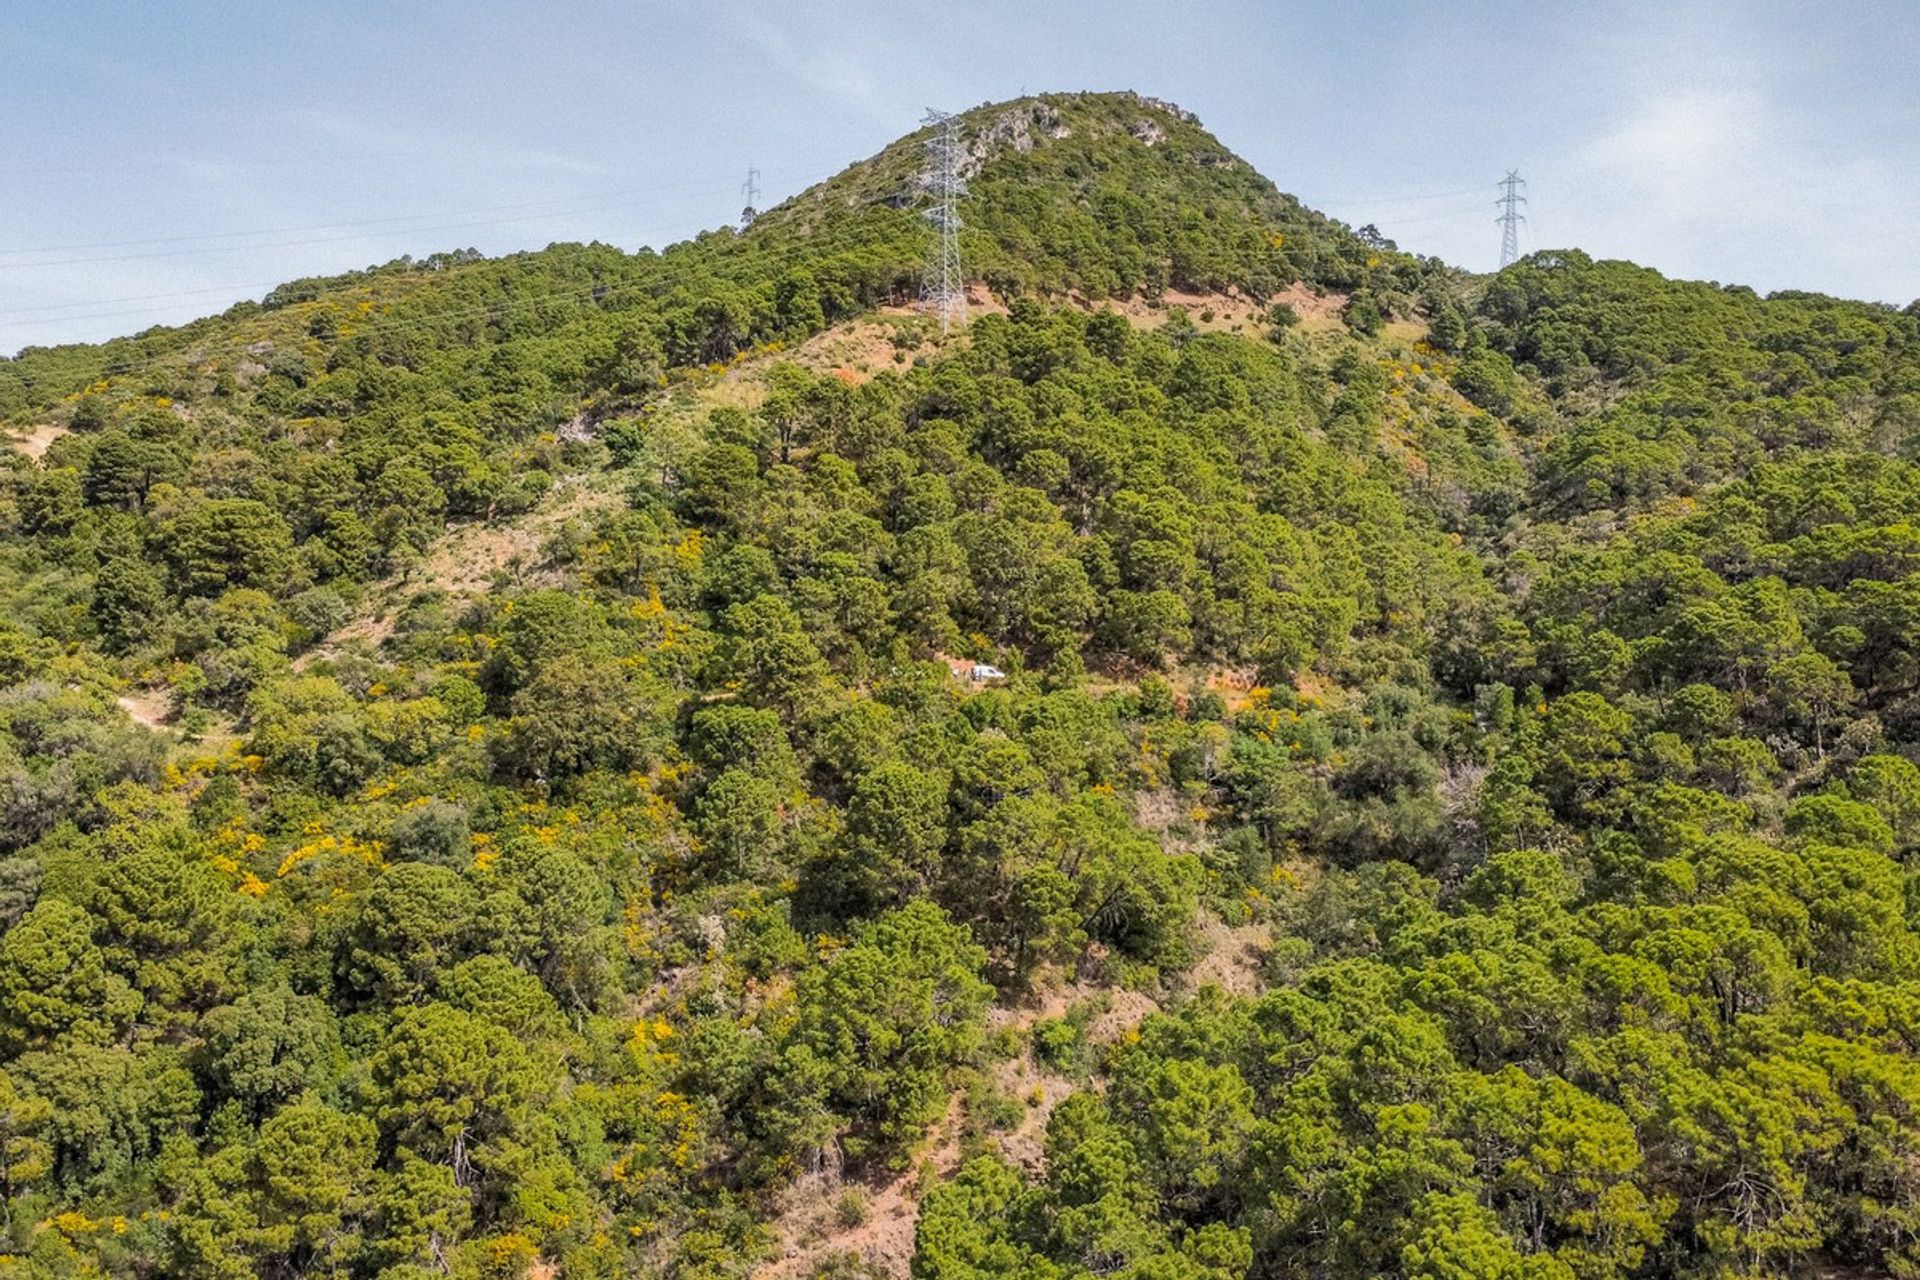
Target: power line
x,y
488,309
943,290
7,320
1374,201
1455,214
1510,217
709,181
5,316
659,282
75,246
363,235
10,318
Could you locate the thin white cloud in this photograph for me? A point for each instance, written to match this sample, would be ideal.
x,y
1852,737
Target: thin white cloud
x,y
456,148
1724,183
838,69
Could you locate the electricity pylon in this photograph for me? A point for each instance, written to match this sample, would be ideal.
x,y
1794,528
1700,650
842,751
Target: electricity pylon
x,y
750,190
1510,217
943,289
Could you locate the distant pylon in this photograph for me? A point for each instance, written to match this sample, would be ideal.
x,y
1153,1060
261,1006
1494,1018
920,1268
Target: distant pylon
x,y
943,290
750,189
1510,217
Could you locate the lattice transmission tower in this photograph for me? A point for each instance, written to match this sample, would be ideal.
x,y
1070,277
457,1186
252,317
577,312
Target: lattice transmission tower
x,y
750,191
1510,217
943,289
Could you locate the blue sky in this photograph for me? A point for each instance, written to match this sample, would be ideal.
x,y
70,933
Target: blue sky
x,y
165,160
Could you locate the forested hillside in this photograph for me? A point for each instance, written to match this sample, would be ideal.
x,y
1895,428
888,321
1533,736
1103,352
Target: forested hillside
x,y
492,782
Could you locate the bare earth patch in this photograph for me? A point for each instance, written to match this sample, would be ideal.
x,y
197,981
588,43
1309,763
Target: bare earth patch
x,y
858,349
808,1229
1235,685
150,707
1209,312
1234,957
469,560
470,556
1406,332
38,439
891,337
853,351
1233,312
1041,1091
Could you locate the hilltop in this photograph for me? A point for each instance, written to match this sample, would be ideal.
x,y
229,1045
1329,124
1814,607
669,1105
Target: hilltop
x,y
492,783
1091,195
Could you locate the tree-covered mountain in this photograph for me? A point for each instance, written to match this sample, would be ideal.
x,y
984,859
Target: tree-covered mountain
x,y
492,781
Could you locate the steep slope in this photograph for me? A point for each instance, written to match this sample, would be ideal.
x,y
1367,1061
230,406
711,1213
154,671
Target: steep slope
x,y
568,849
1098,195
